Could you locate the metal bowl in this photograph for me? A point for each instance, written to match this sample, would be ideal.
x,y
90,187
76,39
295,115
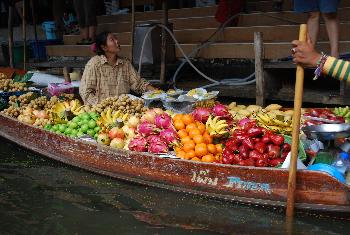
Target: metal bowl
x,y
327,132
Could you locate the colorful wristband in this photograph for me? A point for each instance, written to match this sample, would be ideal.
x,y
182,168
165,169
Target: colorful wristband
x,y
320,65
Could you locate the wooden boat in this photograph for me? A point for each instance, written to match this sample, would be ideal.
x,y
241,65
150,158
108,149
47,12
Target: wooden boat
x,y
316,191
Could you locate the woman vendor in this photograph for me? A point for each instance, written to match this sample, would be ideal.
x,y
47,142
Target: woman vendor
x,y
305,54
107,75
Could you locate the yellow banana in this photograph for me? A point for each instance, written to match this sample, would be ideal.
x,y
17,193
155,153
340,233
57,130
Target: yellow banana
x,y
125,117
116,115
109,115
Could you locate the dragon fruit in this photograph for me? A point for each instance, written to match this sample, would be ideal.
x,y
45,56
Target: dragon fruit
x,y
169,136
158,147
201,114
163,121
154,138
138,144
221,110
147,129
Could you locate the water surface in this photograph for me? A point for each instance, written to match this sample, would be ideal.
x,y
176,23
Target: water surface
x,y
42,196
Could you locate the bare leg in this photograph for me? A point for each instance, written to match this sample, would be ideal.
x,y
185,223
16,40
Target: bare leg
x,y
313,25
332,26
92,32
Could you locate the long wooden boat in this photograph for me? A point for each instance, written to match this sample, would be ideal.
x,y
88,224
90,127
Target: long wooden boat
x,y
316,191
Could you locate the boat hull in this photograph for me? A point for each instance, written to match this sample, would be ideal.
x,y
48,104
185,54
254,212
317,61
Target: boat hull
x,y
316,191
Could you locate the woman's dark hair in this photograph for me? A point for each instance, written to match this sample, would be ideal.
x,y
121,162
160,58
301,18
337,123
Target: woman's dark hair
x,y
101,40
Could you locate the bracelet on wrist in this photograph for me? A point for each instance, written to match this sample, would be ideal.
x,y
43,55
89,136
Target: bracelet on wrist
x,y
320,64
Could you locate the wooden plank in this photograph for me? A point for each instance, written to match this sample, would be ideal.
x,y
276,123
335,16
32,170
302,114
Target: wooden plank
x,y
127,3
157,15
245,50
259,70
283,18
123,38
80,50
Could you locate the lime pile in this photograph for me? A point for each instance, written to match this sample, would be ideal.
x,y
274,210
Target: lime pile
x,y
83,124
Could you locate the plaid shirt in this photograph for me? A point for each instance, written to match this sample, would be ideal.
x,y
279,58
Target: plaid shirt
x,y
101,80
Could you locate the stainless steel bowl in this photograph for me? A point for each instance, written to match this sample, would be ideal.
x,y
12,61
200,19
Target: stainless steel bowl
x,y
327,132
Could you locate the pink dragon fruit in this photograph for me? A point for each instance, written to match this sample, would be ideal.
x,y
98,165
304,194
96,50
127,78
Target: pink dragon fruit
x,y
158,147
163,121
138,144
169,136
147,129
201,114
221,110
154,138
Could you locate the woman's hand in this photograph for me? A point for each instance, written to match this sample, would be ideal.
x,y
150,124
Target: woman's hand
x,y
305,54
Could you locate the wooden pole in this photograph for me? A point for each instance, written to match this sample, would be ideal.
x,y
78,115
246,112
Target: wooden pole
x,y
164,43
259,70
298,99
132,30
24,35
10,34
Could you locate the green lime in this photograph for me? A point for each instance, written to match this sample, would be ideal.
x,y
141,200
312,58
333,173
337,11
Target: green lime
x,y
79,134
76,119
86,122
92,124
68,131
95,136
47,127
80,123
84,128
85,116
97,129
58,132
74,132
62,128
55,128
73,125
91,132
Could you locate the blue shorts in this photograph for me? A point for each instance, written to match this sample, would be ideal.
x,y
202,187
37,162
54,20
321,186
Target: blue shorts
x,y
324,6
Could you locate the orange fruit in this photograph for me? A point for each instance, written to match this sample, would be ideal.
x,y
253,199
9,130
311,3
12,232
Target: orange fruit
x,y
208,158
201,150
198,139
181,154
219,148
196,159
177,117
194,132
177,149
207,138
179,125
201,127
187,119
191,127
190,145
211,148
185,139
182,133
190,154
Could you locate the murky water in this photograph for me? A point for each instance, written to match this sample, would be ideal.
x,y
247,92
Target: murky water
x,y
42,196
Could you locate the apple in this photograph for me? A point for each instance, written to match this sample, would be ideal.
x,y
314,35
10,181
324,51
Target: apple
x,y
116,132
129,131
103,139
117,143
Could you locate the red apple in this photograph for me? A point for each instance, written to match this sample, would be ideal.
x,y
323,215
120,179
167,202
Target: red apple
x,y
116,132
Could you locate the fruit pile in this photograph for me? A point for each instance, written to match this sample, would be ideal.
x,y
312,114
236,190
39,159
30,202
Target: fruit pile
x,y
315,116
196,143
80,125
154,135
343,112
252,145
8,85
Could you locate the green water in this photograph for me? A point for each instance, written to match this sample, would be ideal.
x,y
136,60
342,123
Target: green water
x,y
42,196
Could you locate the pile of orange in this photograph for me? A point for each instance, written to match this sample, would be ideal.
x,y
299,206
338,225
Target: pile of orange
x,y
196,143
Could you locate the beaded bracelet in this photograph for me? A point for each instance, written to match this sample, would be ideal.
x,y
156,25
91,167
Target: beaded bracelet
x,y
320,64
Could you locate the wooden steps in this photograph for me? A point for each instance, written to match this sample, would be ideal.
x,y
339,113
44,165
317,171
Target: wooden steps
x,y
216,50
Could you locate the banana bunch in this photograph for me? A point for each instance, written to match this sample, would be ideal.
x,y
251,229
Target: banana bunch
x,y
216,127
73,106
343,112
111,119
276,121
205,103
